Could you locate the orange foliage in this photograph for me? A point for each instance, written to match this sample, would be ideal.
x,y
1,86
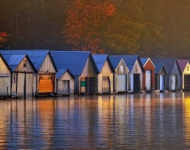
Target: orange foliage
x,y
84,16
3,37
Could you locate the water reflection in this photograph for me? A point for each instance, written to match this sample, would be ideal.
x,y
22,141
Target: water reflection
x,y
133,121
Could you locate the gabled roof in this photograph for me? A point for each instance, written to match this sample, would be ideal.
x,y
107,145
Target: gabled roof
x,y
115,61
130,60
60,73
75,61
182,64
144,60
36,56
168,62
13,60
100,60
158,68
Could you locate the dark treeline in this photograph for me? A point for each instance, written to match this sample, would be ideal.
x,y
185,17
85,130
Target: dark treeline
x,y
145,27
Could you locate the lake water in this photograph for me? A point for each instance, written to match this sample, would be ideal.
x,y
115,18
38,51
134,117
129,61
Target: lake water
x,y
132,121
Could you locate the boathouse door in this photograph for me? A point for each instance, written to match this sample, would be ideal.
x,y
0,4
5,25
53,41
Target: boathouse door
x,y
136,82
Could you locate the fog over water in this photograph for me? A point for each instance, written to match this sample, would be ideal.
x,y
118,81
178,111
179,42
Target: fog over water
x,y
126,121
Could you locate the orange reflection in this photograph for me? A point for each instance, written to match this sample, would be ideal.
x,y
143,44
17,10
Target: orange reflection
x,y
4,112
187,119
46,113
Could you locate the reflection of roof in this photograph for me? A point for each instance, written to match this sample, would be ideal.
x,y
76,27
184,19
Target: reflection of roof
x,y
75,61
60,73
129,60
37,57
158,67
114,61
182,64
13,60
168,62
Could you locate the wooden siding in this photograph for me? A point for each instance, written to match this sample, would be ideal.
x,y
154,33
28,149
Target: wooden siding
x,y
66,76
106,72
22,79
175,71
25,66
88,70
47,66
19,86
4,78
137,70
118,70
149,66
157,78
4,85
4,70
185,72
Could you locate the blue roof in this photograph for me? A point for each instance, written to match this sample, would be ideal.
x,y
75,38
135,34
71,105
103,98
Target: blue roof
x,y
114,61
168,62
144,60
37,57
129,60
158,67
13,60
73,60
60,73
99,60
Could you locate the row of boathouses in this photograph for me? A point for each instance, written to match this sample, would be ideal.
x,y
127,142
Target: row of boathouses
x,y
35,72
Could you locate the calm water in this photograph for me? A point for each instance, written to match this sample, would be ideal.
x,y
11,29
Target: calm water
x,y
134,121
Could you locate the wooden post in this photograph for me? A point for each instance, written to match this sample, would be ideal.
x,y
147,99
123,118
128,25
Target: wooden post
x,y
16,82
24,85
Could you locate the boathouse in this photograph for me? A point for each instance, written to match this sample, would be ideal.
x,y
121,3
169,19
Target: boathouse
x,y
121,74
22,74
5,78
173,76
160,77
185,73
44,80
105,73
148,83
82,67
64,82
135,71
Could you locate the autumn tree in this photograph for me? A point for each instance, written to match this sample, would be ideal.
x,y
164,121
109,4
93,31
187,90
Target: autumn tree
x,y
3,36
83,21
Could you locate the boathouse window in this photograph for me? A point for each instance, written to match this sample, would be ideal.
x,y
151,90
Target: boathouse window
x,y
187,68
24,63
121,69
